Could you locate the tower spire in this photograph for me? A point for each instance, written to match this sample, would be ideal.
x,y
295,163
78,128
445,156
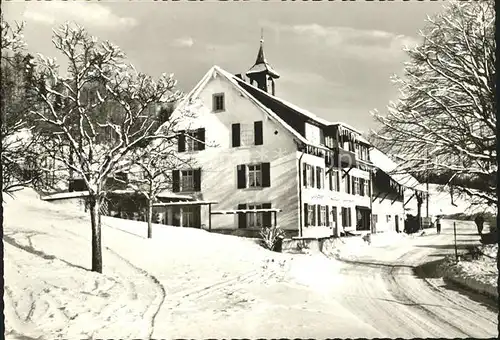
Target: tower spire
x,y
261,72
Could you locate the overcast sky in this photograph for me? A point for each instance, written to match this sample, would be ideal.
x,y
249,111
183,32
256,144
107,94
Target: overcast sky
x,y
334,58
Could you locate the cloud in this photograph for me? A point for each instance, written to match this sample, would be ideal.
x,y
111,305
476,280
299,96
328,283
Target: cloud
x,y
95,15
353,42
183,42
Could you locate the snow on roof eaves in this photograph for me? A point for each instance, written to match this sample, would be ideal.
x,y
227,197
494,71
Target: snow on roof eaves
x,y
257,68
384,163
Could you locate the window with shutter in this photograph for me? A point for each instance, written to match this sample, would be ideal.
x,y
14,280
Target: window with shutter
x,y
361,186
318,211
327,214
258,133
313,213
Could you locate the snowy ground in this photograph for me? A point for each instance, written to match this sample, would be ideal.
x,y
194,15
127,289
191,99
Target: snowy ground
x,y
187,283
479,274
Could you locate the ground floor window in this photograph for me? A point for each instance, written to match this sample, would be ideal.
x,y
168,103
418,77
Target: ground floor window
x,y
334,215
323,216
310,211
346,217
254,220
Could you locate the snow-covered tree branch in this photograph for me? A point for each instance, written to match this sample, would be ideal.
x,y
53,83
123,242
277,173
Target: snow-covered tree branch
x,y
444,123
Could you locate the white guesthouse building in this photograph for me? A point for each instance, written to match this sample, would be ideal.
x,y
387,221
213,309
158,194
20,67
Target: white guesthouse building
x,y
256,150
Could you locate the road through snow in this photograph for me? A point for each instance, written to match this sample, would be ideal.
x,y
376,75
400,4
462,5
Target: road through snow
x,y
386,292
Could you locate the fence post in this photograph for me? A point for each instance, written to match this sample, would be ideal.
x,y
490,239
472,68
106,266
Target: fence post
x,y
455,236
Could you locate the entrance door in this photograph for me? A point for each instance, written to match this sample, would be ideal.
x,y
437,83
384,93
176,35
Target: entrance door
x,y
396,220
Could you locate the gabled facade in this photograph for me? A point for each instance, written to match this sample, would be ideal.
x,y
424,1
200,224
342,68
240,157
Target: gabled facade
x,y
251,150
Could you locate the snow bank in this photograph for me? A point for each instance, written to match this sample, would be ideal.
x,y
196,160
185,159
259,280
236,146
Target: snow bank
x,y
479,275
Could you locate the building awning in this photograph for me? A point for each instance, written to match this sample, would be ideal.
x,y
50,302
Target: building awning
x,y
362,207
243,211
183,203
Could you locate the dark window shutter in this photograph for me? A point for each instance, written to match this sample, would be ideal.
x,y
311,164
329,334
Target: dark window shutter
x,y
349,219
241,176
258,138
306,215
266,218
197,179
304,172
362,186
198,217
318,179
242,220
235,133
330,180
353,186
200,135
175,181
327,217
319,214
313,208
266,175
182,142
344,216
337,179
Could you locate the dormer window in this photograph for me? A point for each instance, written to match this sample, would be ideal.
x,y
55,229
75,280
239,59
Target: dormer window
x,y
218,103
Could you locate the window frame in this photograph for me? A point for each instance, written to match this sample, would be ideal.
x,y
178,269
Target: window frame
x,y
252,219
190,175
323,215
215,97
258,174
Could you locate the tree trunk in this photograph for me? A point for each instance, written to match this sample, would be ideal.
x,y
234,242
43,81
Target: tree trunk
x,y
150,218
95,221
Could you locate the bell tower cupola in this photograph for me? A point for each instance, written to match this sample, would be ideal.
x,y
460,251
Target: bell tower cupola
x,y
261,74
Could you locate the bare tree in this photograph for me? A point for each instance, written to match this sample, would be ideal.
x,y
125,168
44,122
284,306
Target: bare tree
x,y
444,123
99,95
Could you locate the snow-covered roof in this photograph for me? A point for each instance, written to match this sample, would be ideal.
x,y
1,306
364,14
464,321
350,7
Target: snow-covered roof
x,y
305,112
63,195
387,165
258,68
184,203
169,194
236,82
243,211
